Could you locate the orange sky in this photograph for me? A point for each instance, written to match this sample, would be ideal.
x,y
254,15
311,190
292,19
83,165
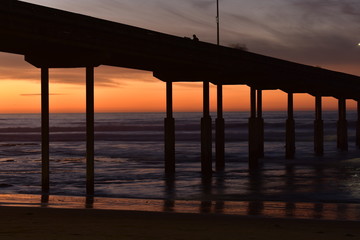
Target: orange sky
x,y
123,90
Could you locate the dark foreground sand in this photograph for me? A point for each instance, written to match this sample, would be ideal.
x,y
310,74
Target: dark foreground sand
x,y
48,223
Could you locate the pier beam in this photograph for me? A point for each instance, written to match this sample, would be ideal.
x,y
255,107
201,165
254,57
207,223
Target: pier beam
x,y
253,143
358,125
206,133
45,169
169,133
220,131
290,129
318,128
342,135
260,125
90,130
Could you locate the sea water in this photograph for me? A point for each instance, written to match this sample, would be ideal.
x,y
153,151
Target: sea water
x,y
129,159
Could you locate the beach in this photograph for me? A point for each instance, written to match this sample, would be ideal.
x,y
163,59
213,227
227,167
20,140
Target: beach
x,y
54,223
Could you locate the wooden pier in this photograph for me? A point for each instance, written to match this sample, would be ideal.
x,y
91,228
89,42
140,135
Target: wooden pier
x,y
50,38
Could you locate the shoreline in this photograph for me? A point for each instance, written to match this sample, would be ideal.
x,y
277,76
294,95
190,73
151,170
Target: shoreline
x,y
260,209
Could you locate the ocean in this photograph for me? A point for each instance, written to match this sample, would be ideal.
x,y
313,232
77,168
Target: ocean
x,y
129,159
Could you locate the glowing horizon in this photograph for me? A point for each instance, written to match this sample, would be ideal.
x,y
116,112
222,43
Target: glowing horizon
x,y
23,96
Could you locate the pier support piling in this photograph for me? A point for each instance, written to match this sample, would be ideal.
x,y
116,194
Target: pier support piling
x,y
260,125
318,128
290,129
358,125
45,171
90,130
253,133
220,132
206,133
169,133
342,135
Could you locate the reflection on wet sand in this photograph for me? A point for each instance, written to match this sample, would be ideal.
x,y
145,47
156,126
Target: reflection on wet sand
x,y
214,199
169,202
326,211
257,181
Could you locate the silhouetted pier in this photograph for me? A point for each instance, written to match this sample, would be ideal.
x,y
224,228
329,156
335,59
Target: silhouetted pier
x,y
50,38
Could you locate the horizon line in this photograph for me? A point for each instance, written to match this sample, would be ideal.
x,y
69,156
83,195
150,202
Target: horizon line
x,y
105,112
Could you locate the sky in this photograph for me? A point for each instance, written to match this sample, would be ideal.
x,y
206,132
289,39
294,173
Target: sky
x,y
322,33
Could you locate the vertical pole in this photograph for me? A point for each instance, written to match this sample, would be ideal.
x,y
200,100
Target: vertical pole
x,y
259,103
342,141
90,130
318,128
206,138
290,129
252,102
220,132
358,124
169,133
218,22
253,147
45,173
220,123
260,125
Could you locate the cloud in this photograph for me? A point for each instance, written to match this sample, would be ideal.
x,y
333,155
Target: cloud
x,y
13,67
186,16
317,49
13,60
326,7
203,4
323,33
39,94
104,76
190,85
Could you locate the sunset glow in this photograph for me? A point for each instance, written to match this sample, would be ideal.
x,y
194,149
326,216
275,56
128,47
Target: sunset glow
x,y
145,94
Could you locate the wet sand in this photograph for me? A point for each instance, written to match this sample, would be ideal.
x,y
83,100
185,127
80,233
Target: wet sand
x,y
265,209
55,223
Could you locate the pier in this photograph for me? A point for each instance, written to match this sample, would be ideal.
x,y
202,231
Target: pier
x,y
50,38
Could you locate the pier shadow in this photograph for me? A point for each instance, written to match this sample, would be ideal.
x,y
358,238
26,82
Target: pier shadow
x,y
290,209
255,208
89,202
44,200
206,189
170,194
260,201
220,187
